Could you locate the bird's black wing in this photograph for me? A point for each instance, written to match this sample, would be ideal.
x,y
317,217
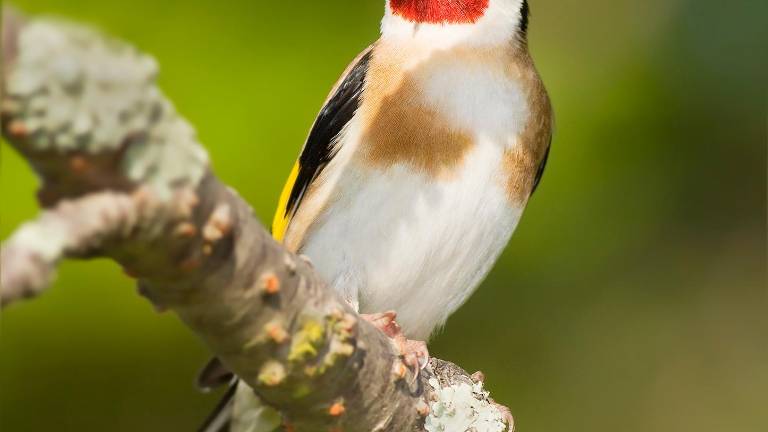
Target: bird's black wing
x,y
542,166
213,375
321,145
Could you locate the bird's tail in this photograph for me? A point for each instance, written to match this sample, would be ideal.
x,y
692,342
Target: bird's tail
x,y
219,420
241,410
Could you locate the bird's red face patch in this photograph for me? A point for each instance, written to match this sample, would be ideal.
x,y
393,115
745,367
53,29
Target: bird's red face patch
x,y
440,11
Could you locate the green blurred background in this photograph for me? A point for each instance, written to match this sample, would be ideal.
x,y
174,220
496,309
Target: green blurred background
x,y
632,297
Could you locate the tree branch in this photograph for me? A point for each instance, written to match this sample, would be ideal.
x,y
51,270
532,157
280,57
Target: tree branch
x,y
123,176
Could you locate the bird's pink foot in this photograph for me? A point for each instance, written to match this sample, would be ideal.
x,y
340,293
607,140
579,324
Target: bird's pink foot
x,y
415,354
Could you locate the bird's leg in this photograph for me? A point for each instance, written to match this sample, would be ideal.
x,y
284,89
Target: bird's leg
x,y
414,353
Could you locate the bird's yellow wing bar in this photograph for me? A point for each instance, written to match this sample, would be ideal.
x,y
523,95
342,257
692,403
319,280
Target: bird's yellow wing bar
x,y
282,215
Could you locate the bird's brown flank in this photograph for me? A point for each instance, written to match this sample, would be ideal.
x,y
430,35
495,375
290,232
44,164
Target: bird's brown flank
x,y
523,160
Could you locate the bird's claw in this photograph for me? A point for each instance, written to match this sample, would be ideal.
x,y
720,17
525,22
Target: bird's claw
x,y
414,353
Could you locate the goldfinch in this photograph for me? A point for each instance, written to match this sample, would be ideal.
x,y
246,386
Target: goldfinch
x,y
420,163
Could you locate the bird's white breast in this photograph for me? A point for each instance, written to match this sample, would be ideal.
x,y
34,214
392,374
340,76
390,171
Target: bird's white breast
x,y
396,238
397,242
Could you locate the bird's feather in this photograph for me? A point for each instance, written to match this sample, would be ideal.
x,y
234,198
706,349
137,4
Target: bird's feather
x,y
214,375
321,145
542,166
219,419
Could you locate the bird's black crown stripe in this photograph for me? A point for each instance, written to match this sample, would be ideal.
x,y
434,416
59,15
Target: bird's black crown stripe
x,y
320,147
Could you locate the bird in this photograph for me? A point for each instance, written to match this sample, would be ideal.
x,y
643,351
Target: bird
x,y
416,171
